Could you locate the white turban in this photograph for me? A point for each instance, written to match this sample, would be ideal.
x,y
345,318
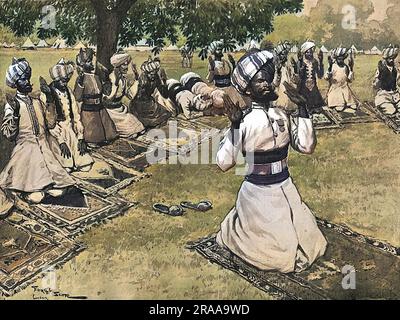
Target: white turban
x,y
307,46
119,59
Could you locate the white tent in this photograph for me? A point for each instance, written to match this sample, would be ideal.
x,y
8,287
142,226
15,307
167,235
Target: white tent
x,y
294,49
12,45
60,44
5,45
28,44
252,45
324,49
80,45
140,46
376,51
42,44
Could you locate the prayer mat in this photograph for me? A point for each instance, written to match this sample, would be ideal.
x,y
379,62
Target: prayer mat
x,y
178,136
109,178
75,217
325,119
376,265
28,248
392,121
218,122
129,153
361,115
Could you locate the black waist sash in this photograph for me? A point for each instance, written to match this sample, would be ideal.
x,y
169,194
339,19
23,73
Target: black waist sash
x,y
191,82
222,81
265,157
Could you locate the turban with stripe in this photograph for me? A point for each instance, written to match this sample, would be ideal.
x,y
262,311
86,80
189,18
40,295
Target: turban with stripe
x,y
63,69
215,45
119,59
248,67
18,68
150,66
390,53
340,52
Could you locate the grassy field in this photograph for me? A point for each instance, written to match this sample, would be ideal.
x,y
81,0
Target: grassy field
x,y
352,178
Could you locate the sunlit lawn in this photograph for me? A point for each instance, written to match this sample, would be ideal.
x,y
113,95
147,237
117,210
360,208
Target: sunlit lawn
x,y
353,178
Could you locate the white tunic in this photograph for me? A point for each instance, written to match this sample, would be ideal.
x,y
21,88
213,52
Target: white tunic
x,y
340,94
269,224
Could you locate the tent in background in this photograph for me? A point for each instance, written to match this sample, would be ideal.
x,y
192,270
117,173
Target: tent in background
x,y
12,45
28,44
376,51
5,45
60,44
79,45
294,49
42,44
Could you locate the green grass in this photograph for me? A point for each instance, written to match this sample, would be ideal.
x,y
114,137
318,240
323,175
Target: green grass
x,y
352,178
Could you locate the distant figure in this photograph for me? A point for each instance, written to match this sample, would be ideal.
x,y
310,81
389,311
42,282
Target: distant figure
x,y
187,56
309,70
340,75
147,104
387,98
128,126
33,170
67,137
99,128
219,69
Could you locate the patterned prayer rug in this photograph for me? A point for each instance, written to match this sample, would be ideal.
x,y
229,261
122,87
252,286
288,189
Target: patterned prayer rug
x,y
76,211
28,248
362,115
326,119
108,177
376,266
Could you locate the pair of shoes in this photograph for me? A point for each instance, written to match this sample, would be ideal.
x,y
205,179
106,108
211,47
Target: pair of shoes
x,y
177,210
174,211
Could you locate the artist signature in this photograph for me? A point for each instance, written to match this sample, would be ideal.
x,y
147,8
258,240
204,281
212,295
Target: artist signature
x,y
37,294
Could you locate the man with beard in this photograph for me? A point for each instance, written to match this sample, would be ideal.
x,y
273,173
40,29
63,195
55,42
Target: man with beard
x,y
270,227
98,127
308,71
128,126
340,75
67,137
33,171
387,98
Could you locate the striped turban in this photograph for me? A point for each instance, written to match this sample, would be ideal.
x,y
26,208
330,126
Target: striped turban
x,y
248,67
215,45
390,53
339,52
62,70
150,66
307,46
119,59
283,48
17,68
189,76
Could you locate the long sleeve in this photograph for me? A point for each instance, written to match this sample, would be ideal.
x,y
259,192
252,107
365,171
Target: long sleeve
x,y
76,109
303,138
211,74
78,91
10,124
320,69
377,80
229,150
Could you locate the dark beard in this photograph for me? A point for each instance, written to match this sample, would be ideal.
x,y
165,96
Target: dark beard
x,y
25,89
271,96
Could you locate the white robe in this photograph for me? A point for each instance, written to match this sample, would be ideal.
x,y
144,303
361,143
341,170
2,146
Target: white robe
x,y
270,223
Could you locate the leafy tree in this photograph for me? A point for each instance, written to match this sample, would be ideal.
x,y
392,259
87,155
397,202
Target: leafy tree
x,y
109,23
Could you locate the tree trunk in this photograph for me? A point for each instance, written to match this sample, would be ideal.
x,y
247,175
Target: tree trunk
x,y
108,29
